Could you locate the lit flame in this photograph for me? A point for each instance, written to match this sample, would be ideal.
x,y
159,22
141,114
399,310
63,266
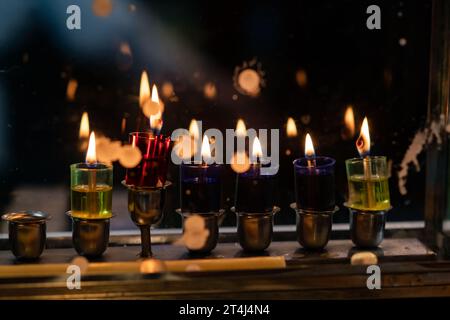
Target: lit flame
x,y
241,130
291,128
194,131
349,120
257,150
156,122
91,155
156,119
309,147
84,126
206,149
363,141
144,91
155,96
71,90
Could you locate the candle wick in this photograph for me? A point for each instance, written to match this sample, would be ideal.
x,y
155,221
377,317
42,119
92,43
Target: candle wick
x,y
311,161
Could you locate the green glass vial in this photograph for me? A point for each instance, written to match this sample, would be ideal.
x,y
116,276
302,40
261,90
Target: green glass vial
x,y
368,187
91,190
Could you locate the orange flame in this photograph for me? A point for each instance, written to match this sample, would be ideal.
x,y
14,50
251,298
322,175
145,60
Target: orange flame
x,y
84,126
241,130
291,128
91,155
155,96
144,90
194,131
257,150
349,120
206,149
363,141
309,147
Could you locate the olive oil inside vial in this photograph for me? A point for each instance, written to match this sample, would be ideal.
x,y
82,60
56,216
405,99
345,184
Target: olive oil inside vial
x,y
361,188
91,204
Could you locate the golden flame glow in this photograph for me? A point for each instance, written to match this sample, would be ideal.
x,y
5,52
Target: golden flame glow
x,y
309,147
84,126
155,96
194,131
91,155
156,121
71,90
144,90
257,150
363,141
349,120
240,162
291,128
241,130
206,149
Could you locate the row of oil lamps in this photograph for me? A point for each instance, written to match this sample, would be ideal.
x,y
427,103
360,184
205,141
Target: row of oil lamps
x,y
200,196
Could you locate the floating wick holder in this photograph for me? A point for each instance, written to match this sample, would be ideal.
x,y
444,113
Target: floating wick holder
x,y
255,230
146,207
212,221
314,227
27,233
367,227
90,237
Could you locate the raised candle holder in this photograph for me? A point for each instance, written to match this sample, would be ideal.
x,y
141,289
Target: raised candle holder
x,y
315,200
255,207
201,194
147,184
27,233
91,207
368,200
211,220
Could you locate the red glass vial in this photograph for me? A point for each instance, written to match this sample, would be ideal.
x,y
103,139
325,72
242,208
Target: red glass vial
x,y
152,170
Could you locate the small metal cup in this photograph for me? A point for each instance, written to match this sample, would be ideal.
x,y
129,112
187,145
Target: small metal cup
x,y
212,221
27,233
255,230
367,227
146,208
314,227
90,237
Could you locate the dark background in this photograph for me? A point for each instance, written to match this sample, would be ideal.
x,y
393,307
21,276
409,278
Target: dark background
x,y
189,44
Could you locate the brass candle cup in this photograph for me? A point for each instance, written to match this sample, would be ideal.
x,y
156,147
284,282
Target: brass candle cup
x,y
212,220
90,237
255,230
146,208
27,233
367,227
313,227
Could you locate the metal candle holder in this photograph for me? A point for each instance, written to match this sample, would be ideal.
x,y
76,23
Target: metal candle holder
x,y
90,237
146,207
314,227
27,233
367,227
255,230
212,221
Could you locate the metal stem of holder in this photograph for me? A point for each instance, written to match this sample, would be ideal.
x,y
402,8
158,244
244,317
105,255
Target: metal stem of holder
x,y
255,230
313,227
212,222
146,207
